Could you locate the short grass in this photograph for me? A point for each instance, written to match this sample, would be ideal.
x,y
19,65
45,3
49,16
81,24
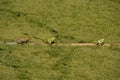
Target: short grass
x,y
22,62
68,21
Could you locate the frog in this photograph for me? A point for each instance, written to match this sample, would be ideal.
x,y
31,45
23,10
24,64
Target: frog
x,y
50,41
100,42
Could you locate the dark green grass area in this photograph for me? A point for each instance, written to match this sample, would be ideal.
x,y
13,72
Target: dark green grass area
x,y
67,21
22,62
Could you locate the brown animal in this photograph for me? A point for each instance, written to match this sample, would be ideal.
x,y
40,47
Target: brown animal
x,y
22,40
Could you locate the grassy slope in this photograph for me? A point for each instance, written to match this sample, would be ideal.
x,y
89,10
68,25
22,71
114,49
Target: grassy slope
x,y
68,21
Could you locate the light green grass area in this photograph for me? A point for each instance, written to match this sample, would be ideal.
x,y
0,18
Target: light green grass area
x,y
67,21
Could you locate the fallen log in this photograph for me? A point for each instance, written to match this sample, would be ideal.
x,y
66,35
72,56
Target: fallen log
x,y
63,44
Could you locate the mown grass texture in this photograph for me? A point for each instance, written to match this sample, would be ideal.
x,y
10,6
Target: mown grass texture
x,y
59,63
67,21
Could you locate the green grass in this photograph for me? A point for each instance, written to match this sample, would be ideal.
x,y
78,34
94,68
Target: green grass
x,y
67,21
19,62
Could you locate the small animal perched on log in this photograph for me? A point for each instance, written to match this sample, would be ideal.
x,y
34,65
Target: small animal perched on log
x,y
100,42
22,40
49,41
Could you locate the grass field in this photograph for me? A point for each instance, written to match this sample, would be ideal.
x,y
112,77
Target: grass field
x,y
67,21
